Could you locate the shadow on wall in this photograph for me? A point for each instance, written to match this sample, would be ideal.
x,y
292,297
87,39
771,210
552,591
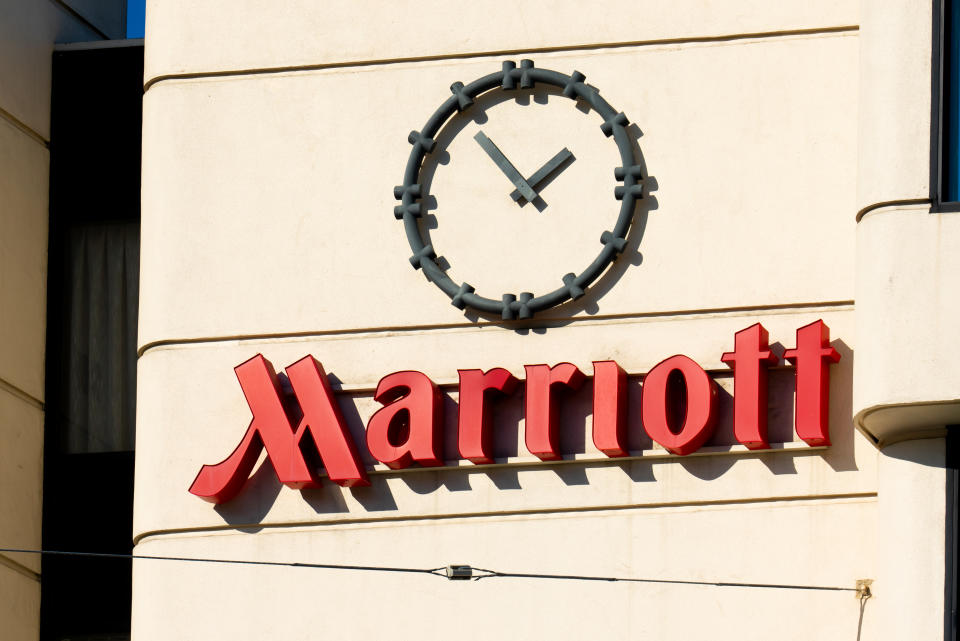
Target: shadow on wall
x,y
252,505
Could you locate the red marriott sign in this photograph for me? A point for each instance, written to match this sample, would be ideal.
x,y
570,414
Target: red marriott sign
x,y
408,428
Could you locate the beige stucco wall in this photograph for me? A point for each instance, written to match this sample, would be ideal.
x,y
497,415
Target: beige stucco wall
x,y
911,524
28,31
295,159
268,228
907,376
906,373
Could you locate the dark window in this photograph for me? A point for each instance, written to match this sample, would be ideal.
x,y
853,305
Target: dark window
x,y
92,294
945,143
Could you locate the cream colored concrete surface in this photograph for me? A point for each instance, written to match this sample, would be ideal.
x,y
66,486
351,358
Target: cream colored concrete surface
x,y
23,258
191,412
910,547
21,477
637,344
19,606
268,199
894,140
907,372
824,543
28,30
302,32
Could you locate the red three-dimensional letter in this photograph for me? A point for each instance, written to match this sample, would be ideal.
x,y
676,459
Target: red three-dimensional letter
x,y
475,438
271,429
610,408
749,362
699,414
541,425
812,358
412,404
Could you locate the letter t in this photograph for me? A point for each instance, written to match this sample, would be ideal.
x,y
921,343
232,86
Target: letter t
x,y
812,358
749,362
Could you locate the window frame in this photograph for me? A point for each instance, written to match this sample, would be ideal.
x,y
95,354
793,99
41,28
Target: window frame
x,y
939,96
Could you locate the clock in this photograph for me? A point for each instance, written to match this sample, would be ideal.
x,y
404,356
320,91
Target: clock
x,y
520,188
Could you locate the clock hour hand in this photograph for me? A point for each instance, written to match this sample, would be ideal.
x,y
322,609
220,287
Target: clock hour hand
x,y
506,167
539,175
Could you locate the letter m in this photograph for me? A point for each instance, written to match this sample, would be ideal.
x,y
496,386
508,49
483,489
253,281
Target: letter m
x,y
291,453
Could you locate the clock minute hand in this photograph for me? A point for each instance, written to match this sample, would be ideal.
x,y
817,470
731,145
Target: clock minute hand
x,y
538,176
505,166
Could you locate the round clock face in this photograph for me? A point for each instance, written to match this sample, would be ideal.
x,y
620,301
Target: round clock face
x,y
497,164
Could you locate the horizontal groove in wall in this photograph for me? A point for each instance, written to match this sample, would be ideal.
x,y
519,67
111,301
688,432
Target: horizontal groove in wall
x,y
7,562
513,325
453,384
504,52
908,202
507,513
23,127
13,390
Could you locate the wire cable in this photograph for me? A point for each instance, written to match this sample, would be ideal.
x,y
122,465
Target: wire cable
x,y
441,571
718,584
323,566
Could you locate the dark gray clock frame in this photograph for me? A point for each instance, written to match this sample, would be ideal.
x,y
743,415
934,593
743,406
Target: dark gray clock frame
x,y
411,193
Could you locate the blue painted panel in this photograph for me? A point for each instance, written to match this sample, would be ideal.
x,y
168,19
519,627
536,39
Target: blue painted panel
x,y
135,17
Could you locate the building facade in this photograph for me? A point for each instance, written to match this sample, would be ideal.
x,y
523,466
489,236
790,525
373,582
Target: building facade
x,y
29,32
730,386
271,152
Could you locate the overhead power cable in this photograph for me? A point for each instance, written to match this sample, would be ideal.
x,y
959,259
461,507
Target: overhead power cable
x,y
322,566
453,572
719,584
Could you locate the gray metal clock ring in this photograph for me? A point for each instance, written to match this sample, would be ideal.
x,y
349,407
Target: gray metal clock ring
x,y
411,193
